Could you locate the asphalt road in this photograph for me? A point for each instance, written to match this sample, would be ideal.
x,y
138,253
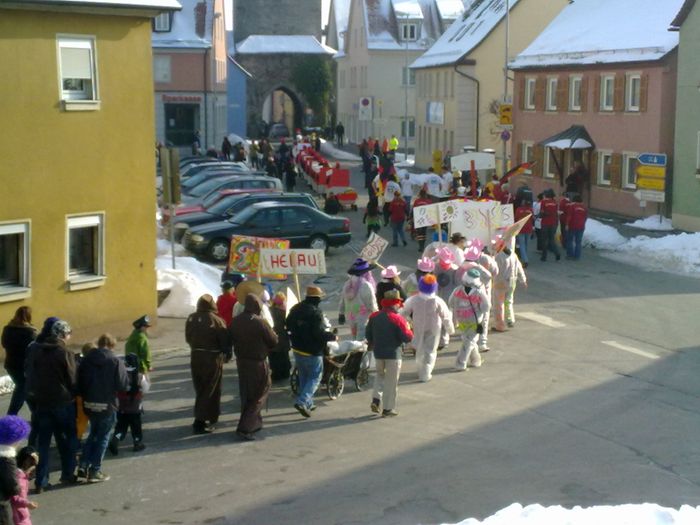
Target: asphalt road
x,y
591,399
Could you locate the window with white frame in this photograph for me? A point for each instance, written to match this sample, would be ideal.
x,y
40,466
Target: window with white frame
x,y
633,92
549,164
575,93
530,86
528,154
162,23
77,68
408,76
14,257
85,247
604,168
411,128
607,92
552,84
161,68
629,170
409,32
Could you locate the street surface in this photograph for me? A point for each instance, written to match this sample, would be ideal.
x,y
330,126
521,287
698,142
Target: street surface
x,y
591,399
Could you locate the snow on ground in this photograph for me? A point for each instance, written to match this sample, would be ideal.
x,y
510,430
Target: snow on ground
x,y
6,385
672,253
653,223
403,162
329,150
644,514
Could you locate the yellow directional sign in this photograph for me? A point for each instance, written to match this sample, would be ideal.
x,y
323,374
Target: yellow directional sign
x,y
657,172
505,114
651,183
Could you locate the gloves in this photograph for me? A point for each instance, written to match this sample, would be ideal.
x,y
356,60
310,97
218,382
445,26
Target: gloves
x,y
341,319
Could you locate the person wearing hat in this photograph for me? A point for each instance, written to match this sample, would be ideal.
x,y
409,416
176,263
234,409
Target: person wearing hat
x,y
510,271
357,298
390,281
482,261
226,301
137,343
51,384
386,331
13,429
429,316
469,304
309,337
424,266
280,365
210,347
445,267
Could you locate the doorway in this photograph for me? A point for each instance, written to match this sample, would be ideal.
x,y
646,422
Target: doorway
x,y
181,122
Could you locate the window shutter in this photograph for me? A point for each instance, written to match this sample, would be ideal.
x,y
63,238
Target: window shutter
x,y
540,93
616,171
563,93
584,93
519,154
75,63
521,92
596,94
593,168
643,92
619,98
538,154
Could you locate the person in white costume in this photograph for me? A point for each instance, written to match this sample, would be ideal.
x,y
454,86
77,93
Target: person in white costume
x,y
429,317
510,271
469,303
410,285
486,264
357,298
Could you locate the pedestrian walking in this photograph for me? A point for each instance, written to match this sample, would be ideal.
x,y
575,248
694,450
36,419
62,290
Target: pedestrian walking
x,y
101,376
252,339
420,233
510,271
576,225
137,343
17,335
372,218
290,176
309,336
226,148
226,301
487,267
521,239
469,304
13,429
357,298
340,133
332,204
397,217
279,357
206,334
386,332
390,281
130,408
429,316
564,204
550,218
27,460
537,223
424,266
407,190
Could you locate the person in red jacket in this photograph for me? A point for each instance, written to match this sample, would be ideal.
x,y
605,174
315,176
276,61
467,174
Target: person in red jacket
x,y
576,224
226,301
550,218
521,212
397,217
564,204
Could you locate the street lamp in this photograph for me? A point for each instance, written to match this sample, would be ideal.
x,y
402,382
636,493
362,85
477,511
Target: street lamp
x,y
405,93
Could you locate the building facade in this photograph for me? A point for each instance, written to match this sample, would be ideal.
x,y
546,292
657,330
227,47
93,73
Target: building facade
x,y
190,72
77,231
686,172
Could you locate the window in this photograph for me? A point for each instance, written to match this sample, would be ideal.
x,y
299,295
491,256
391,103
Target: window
x,y
530,84
265,219
607,92
633,92
409,32
14,261
575,94
411,128
353,77
161,68
86,265
528,154
162,23
629,169
444,85
77,69
410,74
363,76
452,84
604,168
549,164
552,84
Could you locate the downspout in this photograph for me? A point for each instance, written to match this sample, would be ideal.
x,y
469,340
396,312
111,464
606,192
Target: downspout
x,y
207,140
478,95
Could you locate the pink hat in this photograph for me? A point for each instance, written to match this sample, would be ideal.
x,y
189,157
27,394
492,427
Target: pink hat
x,y
475,243
497,242
472,253
390,272
446,259
426,265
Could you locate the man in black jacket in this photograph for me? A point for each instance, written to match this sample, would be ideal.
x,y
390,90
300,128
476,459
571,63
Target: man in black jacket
x,y
309,335
100,376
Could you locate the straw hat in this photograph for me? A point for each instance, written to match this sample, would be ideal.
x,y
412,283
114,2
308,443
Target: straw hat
x,y
314,291
247,287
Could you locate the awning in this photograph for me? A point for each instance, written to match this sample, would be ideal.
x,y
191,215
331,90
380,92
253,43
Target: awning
x,y
576,137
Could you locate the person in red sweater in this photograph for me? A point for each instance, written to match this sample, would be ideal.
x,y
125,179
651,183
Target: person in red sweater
x,y
576,224
564,204
420,233
521,212
397,217
550,218
226,301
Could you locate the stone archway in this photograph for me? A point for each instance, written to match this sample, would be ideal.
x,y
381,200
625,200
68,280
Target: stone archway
x,y
282,104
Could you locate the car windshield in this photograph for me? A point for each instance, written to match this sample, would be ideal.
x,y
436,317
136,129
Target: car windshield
x,y
244,215
193,181
205,187
224,204
212,198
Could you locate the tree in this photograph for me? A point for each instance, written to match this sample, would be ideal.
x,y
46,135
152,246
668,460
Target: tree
x,y
312,77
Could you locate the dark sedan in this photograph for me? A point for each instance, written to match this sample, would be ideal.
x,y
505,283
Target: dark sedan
x,y
302,225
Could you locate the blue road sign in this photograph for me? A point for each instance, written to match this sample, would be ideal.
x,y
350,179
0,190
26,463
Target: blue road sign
x,y
652,159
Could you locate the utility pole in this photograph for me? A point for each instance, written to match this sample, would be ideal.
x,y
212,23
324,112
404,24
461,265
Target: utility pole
x,y
505,82
405,98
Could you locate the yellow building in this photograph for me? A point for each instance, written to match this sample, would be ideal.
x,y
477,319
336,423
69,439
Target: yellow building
x,y
77,198
460,80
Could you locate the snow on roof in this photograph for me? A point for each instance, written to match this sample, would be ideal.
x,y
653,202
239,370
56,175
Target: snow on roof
x,y
601,31
340,11
184,29
274,44
451,9
682,15
164,5
466,34
407,9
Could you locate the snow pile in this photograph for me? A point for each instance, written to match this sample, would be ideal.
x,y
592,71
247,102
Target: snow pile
x,y
329,150
601,236
405,162
6,385
163,248
653,223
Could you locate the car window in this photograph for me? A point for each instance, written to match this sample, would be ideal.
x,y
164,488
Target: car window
x,y
211,198
205,187
265,219
293,216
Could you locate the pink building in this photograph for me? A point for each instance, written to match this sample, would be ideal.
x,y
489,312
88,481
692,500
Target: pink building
x,y
610,68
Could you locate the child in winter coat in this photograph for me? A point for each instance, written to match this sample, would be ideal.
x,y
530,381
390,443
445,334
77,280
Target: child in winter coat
x,y
475,258
469,304
27,460
130,407
510,270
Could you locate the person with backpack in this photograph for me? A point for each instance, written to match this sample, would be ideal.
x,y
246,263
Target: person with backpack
x,y
130,407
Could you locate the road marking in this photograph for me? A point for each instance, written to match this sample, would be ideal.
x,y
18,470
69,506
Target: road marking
x,y
542,319
630,349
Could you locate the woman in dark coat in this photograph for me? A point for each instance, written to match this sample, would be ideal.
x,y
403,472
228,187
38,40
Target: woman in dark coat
x,y
252,339
16,337
279,357
205,332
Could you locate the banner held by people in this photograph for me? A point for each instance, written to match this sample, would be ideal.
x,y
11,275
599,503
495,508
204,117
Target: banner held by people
x,y
374,248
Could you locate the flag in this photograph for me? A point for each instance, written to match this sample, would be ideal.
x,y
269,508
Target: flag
x,y
518,170
511,231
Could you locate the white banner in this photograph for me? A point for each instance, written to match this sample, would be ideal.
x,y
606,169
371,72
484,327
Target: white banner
x,y
426,215
311,262
478,220
374,248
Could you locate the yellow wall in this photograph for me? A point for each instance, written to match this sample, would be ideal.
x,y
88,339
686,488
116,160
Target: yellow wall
x,y
56,163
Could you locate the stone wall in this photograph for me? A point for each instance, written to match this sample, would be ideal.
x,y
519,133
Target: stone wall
x,y
277,17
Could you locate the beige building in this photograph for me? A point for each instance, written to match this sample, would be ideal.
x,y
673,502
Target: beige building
x,y
460,80
375,87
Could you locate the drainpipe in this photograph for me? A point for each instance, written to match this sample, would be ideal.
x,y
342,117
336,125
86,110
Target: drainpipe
x,y
478,95
207,56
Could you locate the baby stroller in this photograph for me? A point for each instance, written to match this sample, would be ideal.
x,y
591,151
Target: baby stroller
x,y
348,359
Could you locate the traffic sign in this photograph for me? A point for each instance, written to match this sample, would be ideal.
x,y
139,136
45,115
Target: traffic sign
x,y
653,196
651,171
505,136
653,159
645,183
505,114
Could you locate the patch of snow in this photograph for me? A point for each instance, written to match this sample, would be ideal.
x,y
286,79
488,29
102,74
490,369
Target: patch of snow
x,y
329,150
163,248
6,385
601,236
277,44
450,9
187,284
405,162
653,223
182,32
644,514
407,9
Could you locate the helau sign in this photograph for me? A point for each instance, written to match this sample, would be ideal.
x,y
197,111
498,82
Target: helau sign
x,y
287,262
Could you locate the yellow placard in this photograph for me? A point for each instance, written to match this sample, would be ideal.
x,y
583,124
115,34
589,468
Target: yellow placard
x,y
505,114
651,183
655,172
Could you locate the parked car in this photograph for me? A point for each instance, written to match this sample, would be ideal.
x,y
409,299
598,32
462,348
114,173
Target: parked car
x,y
278,130
234,182
194,169
229,206
303,225
209,200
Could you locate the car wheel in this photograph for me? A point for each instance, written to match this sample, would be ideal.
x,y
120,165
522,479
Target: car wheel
x,y
218,250
318,242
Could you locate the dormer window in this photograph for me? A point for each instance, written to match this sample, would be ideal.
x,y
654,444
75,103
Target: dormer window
x,y
162,23
409,32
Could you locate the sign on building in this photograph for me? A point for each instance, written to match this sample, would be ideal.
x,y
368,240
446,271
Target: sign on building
x,y
364,109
